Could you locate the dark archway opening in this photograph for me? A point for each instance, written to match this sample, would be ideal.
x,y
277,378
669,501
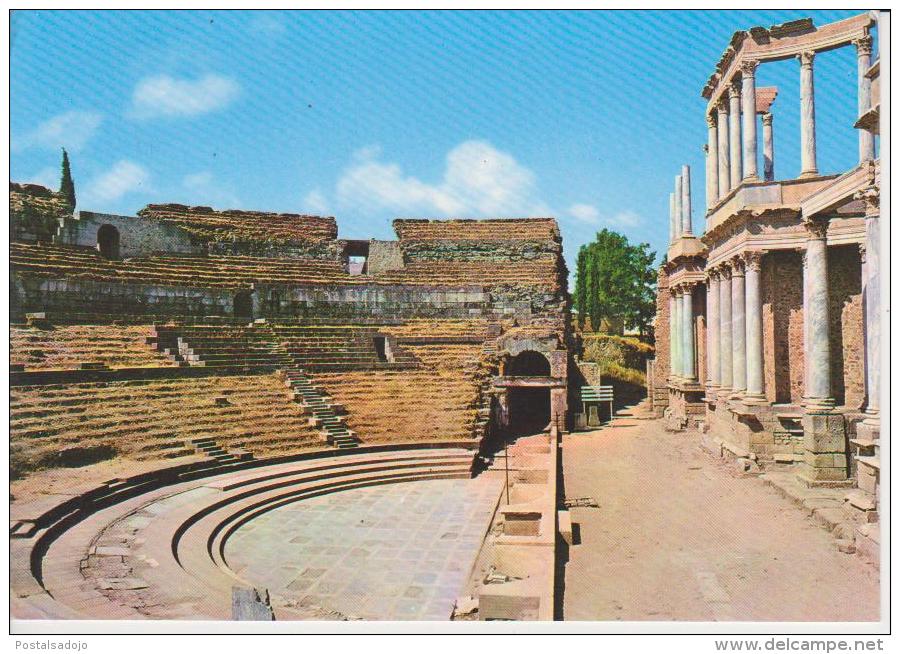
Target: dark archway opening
x,y
528,364
108,242
529,410
243,305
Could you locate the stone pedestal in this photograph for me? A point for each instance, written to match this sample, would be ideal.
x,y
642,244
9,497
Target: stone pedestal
x,y
825,450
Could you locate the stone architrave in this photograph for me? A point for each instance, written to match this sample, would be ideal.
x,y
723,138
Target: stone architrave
x,y
734,133
738,328
712,161
768,148
753,292
724,175
864,95
725,343
808,166
748,98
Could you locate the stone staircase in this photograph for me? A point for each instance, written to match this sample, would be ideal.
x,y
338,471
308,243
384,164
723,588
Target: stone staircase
x,y
209,447
324,411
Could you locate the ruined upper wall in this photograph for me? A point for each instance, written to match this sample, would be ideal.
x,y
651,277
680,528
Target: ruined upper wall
x,y
35,212
499,239
239,232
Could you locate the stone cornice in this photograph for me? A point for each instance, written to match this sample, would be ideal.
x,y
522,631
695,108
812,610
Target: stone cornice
x,y
781,42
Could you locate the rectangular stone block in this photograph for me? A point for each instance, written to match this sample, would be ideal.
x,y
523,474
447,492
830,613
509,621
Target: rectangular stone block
x,y
824,433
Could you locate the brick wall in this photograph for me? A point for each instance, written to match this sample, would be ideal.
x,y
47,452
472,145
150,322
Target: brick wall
x,y
782,291
845,312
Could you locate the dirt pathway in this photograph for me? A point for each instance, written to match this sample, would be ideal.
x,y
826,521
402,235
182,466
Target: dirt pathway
x,y
680,536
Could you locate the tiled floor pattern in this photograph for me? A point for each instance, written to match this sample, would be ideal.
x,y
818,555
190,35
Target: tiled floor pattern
x,y
393,552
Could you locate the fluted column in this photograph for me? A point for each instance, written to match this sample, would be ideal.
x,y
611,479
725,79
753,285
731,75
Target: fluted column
x,y
754,325
817,348
713,371
734,133
689,366
768,148
673,365
872,301
724,175
864,92
685,199
675,343
725,341
679,199
748,98
673,229
808,167
738,328
712,161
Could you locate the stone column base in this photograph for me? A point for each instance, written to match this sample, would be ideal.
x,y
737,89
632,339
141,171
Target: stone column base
x,y
824,460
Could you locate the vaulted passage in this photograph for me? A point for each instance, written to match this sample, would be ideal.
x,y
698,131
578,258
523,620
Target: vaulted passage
x,y
108,242
529,410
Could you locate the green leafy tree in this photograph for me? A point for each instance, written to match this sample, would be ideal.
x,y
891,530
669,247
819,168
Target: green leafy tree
x,y
66,184
615,281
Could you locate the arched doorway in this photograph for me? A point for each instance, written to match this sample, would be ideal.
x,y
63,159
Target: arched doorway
x,y
108,242
243,305
529,407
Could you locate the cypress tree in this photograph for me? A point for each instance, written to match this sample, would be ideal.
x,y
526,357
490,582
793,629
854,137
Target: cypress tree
x,y
66,185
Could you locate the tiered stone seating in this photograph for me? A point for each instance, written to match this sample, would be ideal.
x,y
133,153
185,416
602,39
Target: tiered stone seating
x,y
218,345
534,273
205,224
156,419
66,347
333,348
213,271
435,402
438,329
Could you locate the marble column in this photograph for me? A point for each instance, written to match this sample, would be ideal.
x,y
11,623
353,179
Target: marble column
x,y
738,328
872,303
724,175
864,93
685,199
734,133
689,367
748,99
725,341
808,167
768,148
712,161
754,325
673,228
679,200
675,331
713,370
817,348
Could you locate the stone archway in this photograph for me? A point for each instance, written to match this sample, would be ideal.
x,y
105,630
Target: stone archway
x,y
243,305
529,407
108,242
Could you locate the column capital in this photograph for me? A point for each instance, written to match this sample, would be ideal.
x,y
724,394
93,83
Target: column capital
x,y
711,120
872,199
806,58
748,67
862,252
724,271
734,90
737,267
722,104
767,118
753,260
712,274
863,45
816,229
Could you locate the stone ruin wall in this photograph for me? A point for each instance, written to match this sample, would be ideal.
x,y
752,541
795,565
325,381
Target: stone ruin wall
x,y
35,212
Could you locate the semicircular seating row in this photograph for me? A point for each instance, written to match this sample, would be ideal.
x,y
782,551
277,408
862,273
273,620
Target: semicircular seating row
x,y
160,553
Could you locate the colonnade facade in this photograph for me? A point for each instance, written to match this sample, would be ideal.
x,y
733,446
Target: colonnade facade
x,y
774,359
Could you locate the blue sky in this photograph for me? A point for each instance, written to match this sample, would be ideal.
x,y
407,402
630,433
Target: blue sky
x,y
368,116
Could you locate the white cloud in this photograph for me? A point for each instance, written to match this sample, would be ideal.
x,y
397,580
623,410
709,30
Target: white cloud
x,y
477,179
163,95
70,130
197,180
586,213
626,219
124,177
315,203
